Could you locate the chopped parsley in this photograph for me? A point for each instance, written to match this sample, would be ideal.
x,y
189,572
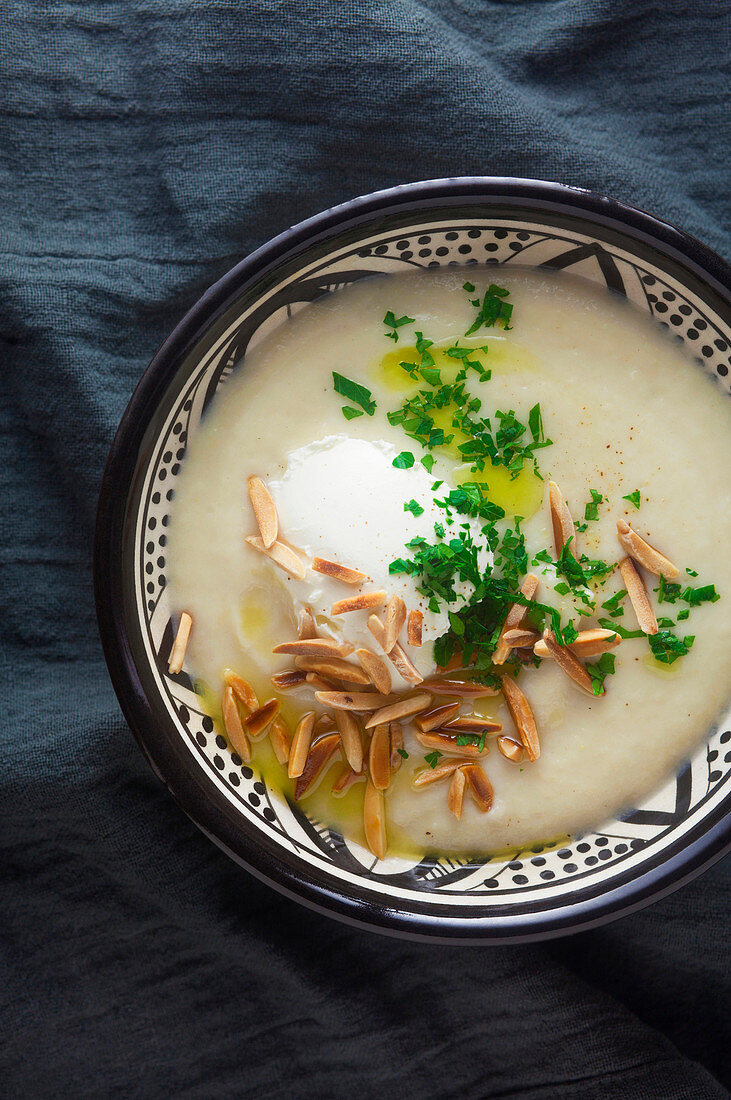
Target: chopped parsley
x,y
432,758
492,310
668,647
591,510
404,461
403,754
354,392
599,670
414,507
633,498
621,630
427,462
393,322
349,413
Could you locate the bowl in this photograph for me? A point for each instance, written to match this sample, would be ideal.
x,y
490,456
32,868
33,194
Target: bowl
x,y
537,893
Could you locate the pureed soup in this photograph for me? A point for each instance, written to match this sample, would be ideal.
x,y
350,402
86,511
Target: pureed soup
x,y
448,559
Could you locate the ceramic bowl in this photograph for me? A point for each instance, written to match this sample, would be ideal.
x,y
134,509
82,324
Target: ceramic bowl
x,y
539,892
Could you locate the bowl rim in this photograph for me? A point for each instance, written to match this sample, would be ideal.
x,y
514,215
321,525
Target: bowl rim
x,y
703,846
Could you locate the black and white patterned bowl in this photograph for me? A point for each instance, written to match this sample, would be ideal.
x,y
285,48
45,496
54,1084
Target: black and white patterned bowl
x,y
542,891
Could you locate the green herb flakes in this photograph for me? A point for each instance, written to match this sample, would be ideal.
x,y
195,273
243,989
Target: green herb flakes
x,y
414,507
668,647
633,498
354,392
404,461
393,322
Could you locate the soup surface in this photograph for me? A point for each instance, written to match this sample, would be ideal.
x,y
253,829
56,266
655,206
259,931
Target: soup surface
x,y
611,410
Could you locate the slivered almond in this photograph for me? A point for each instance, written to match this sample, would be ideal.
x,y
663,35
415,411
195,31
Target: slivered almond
x,y
335,668
318,758
515,618
588,643
427,776
447,744
324,724
364,602
404,708
519,638
180,645
397,743
290,678
301,745
479,786
466,689
522,715
306,625
257,722
644,553
397,656
337,572
563,525
321,683
413,628
312,647
351,738
638,595
379,757
234,727
432,719
242,689
280,739
353,700
265,511
374,820
376,670
568,662
345,781
511,750
470,723
394,618
455,794
282,555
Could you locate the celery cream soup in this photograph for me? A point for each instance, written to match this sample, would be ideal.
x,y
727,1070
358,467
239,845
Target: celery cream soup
x,y
613,413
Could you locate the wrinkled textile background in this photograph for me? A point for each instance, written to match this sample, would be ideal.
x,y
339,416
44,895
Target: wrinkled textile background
x,y
145,147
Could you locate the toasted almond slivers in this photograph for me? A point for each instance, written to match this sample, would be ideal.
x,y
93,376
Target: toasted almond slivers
x,y
306,625
479,786
397,743
345,781
280,740
522,715
376,670
364,602
510,749
351,738
568,662
455,794
320,683
337,572
301,745
465,689
265,511
374,820
561,521
588,643
515,618
312,647
317,759
234,727
520,638
335,668
283,556
394,618
403,708
177,653
638,595
257,722
324,724
379,757
290,678
446,743
353,700
242,689
413,628
397,656
644,553
470,723
427,776
432,719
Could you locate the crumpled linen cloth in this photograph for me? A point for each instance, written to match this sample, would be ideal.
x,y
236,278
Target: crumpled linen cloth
x,y
144,148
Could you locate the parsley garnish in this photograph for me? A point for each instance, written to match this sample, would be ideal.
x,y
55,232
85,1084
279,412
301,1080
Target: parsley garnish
x,y
621,630
599,670
427,462
591,511
350,413
492,310
432,758
404,461
403,754
354,392
414,507
633,498
393,322
667,647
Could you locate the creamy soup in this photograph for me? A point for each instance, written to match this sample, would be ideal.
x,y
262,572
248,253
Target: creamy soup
x,y
573,412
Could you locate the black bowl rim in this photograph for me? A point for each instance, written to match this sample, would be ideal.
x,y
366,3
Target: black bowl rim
x,y
705,844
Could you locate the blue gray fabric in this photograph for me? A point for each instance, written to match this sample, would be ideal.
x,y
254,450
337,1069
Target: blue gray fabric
x,y
145,147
